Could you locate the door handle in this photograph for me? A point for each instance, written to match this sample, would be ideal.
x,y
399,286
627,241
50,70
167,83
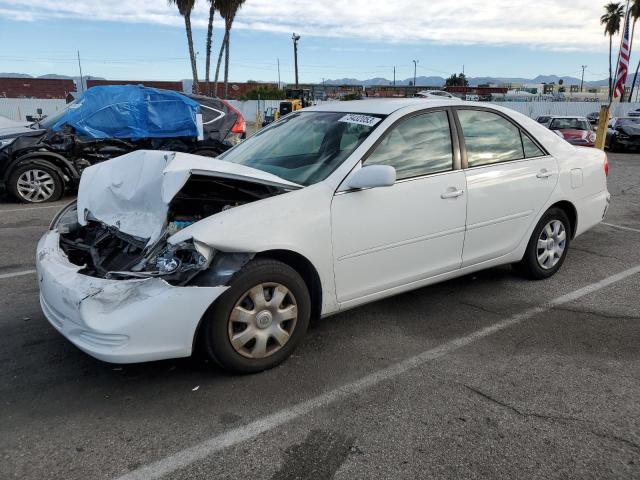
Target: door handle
x,y
452,193
544,173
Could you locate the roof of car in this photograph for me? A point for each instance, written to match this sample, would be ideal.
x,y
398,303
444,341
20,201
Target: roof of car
x,y
580,117
380,106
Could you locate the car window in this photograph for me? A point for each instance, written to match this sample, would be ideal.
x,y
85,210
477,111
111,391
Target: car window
x,y
489,138
352,135
304,147
543,119
304,140
569,123
626,121
530,148
417,146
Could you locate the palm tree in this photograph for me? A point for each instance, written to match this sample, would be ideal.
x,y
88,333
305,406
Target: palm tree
x,y
185,7
212,11
611,21
634,11
228,10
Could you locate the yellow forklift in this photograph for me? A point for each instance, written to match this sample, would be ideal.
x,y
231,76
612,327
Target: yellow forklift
x,y
296,99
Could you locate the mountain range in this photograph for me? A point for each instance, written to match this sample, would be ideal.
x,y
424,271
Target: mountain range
x,y
435,81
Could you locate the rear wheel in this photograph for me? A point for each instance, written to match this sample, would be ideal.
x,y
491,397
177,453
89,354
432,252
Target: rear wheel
x,y
258,322
547,247
36,183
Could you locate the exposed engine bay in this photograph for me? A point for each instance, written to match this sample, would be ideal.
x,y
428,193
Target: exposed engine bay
x,y
104,251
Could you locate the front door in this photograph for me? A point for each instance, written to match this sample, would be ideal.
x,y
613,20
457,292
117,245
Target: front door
x,y
388,237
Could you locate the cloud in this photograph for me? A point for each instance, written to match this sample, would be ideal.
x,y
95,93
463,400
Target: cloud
x,y
552,24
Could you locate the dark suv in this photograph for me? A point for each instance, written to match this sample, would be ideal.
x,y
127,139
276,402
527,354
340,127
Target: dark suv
x,y
39,164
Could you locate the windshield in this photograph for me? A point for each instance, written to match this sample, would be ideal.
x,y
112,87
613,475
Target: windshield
x,y
569,123
304,147
50,121
628,121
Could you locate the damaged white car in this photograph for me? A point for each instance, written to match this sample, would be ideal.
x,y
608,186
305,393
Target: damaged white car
x,y
331,207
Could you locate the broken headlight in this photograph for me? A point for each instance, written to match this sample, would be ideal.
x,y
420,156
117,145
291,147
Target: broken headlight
x,y
179,258
66,220
174,263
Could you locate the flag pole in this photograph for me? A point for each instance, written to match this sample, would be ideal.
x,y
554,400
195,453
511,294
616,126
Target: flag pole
x,y
605,110
624,30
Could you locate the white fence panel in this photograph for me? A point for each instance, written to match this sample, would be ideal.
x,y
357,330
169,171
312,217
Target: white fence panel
x,y
18,108
250,108
534,109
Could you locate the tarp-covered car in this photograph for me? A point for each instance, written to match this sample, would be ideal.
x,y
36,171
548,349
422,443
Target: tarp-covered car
x,y
38,164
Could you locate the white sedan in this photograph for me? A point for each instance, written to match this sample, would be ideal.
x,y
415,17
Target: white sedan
x,y
329,208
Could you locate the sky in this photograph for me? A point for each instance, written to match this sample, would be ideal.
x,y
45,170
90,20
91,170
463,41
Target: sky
x,y
145,39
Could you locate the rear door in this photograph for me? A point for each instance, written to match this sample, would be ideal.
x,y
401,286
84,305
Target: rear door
x,y
509,180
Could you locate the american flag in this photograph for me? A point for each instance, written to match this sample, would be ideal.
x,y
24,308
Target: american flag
x,y
623,64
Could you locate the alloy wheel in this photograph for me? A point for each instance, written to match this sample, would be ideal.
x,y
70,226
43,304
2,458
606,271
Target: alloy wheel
x,y
551,244
262,320
35,185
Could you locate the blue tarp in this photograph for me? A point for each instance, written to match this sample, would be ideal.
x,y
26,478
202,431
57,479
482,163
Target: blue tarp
x,y
131,111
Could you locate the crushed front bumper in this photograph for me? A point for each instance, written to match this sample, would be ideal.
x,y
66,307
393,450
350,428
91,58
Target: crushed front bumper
x,y
119,321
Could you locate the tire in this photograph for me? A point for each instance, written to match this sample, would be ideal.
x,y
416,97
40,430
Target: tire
x,y
532,265
36,182
207,152
615,147
236,315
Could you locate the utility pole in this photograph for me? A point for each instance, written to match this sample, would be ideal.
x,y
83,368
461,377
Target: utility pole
x,y
394,76
279,84
81,78
415,64
582,81
295,39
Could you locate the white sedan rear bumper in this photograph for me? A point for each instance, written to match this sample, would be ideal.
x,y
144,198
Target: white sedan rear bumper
x,y
119,321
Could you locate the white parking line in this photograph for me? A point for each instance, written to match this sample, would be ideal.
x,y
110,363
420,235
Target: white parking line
x,y
235,436
30,208
621,227
16,274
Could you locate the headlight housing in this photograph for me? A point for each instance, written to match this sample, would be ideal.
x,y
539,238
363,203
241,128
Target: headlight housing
x,y
66,219
5,142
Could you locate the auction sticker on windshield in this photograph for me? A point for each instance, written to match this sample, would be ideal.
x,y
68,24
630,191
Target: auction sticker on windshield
x,y
360,119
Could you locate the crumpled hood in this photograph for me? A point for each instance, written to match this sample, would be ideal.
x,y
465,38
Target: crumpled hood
x,y
631,130
132,192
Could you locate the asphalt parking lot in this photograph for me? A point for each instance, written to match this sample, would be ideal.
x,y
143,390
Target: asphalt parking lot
x,y
487,376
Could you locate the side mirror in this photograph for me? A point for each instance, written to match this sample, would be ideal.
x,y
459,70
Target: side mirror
x,y
373,176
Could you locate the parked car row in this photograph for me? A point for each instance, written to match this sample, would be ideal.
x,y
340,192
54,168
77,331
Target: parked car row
x,y
575,130
623,133
40,161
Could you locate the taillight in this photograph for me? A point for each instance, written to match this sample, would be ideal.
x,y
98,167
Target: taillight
x,y
606,166
240,126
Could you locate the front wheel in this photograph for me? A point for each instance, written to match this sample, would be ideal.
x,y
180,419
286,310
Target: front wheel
x,y
36,183
258,322
547,247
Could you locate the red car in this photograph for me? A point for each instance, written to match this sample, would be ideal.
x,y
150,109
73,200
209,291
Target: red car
x,y
575,130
